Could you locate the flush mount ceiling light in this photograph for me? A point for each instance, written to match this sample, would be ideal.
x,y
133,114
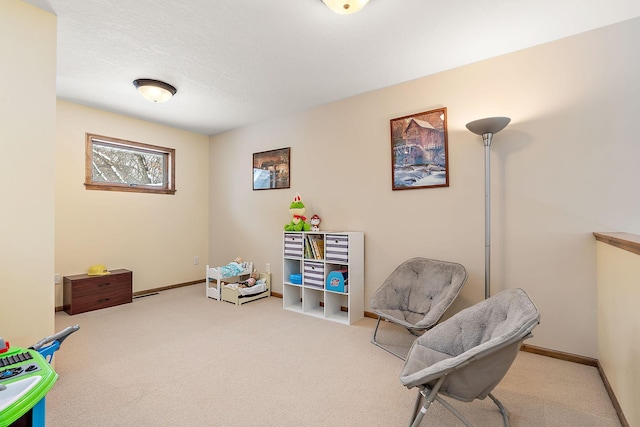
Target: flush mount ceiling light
x,y
345,7
155,90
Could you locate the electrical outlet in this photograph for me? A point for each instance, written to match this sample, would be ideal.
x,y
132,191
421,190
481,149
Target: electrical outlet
x,y
196,260
267,268
57,279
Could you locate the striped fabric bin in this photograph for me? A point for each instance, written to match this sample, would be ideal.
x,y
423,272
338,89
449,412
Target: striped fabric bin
x,y
337,248
293,244
314,274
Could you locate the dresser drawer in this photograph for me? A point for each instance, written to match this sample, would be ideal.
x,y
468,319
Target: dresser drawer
x,y
100,300
109,283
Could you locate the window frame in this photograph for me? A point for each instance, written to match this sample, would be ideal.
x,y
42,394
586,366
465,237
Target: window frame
x,y
169,154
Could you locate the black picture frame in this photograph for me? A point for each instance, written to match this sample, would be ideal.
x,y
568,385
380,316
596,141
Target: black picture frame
x,y
271,169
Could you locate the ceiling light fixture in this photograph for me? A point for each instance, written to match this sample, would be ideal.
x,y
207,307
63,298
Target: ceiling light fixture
x,y
155,90
487,127
345,7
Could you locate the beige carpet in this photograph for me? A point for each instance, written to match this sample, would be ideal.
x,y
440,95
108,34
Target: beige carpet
x,y
180,359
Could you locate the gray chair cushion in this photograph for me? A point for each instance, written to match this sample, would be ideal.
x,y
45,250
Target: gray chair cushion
x,y
489,334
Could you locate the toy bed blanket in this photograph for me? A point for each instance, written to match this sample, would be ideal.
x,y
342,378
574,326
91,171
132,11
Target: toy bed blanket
x,y
260,286
232,269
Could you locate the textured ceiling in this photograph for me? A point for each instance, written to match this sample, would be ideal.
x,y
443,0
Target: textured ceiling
x,y
235,62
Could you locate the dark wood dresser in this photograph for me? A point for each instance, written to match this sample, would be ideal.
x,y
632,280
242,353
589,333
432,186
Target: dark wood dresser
x,y
83,293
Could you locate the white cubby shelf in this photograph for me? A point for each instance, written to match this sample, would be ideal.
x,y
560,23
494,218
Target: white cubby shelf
x,y
313,256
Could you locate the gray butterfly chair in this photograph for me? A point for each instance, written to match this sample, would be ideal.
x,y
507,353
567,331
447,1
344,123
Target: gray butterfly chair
x,y
467,355
416,295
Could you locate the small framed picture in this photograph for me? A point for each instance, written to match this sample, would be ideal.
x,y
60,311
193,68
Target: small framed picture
x,y
419,150
271,169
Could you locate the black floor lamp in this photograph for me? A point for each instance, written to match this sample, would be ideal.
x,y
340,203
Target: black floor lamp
x,y
487,127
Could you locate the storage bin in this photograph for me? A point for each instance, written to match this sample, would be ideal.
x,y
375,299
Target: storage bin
x,y
314,274
337,281
337,248
293,245
296,279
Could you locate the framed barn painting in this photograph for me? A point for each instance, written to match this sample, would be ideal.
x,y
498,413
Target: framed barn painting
x,y
271,169
419,150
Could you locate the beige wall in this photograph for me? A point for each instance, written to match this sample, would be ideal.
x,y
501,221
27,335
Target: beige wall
x,y
565,167
27,123
156,236
619,325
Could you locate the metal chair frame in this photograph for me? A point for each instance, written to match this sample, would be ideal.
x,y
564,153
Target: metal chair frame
x,y
376,343
431,395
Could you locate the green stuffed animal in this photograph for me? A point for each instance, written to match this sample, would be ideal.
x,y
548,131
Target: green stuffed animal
x,y
296,208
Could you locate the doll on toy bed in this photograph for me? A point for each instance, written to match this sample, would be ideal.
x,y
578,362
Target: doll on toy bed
x,y
232,269
252,280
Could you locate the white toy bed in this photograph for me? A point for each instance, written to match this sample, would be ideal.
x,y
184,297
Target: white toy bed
x,y
215,275
238,295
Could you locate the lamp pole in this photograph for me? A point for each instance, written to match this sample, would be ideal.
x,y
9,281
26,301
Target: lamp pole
x,y
487,127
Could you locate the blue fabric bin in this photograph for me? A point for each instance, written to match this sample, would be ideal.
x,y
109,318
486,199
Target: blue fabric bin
x,y
337,281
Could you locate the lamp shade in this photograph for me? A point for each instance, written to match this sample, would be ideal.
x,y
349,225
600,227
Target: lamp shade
x,y
155,90
345,7
488,125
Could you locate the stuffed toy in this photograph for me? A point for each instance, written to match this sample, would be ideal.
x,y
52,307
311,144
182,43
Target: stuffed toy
x,y
315,223
296,208
251,280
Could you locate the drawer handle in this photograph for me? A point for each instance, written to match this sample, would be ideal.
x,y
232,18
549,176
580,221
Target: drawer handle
x,y
104,284
104,300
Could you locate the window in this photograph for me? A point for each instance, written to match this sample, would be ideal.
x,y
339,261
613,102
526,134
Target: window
x,y
119,165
